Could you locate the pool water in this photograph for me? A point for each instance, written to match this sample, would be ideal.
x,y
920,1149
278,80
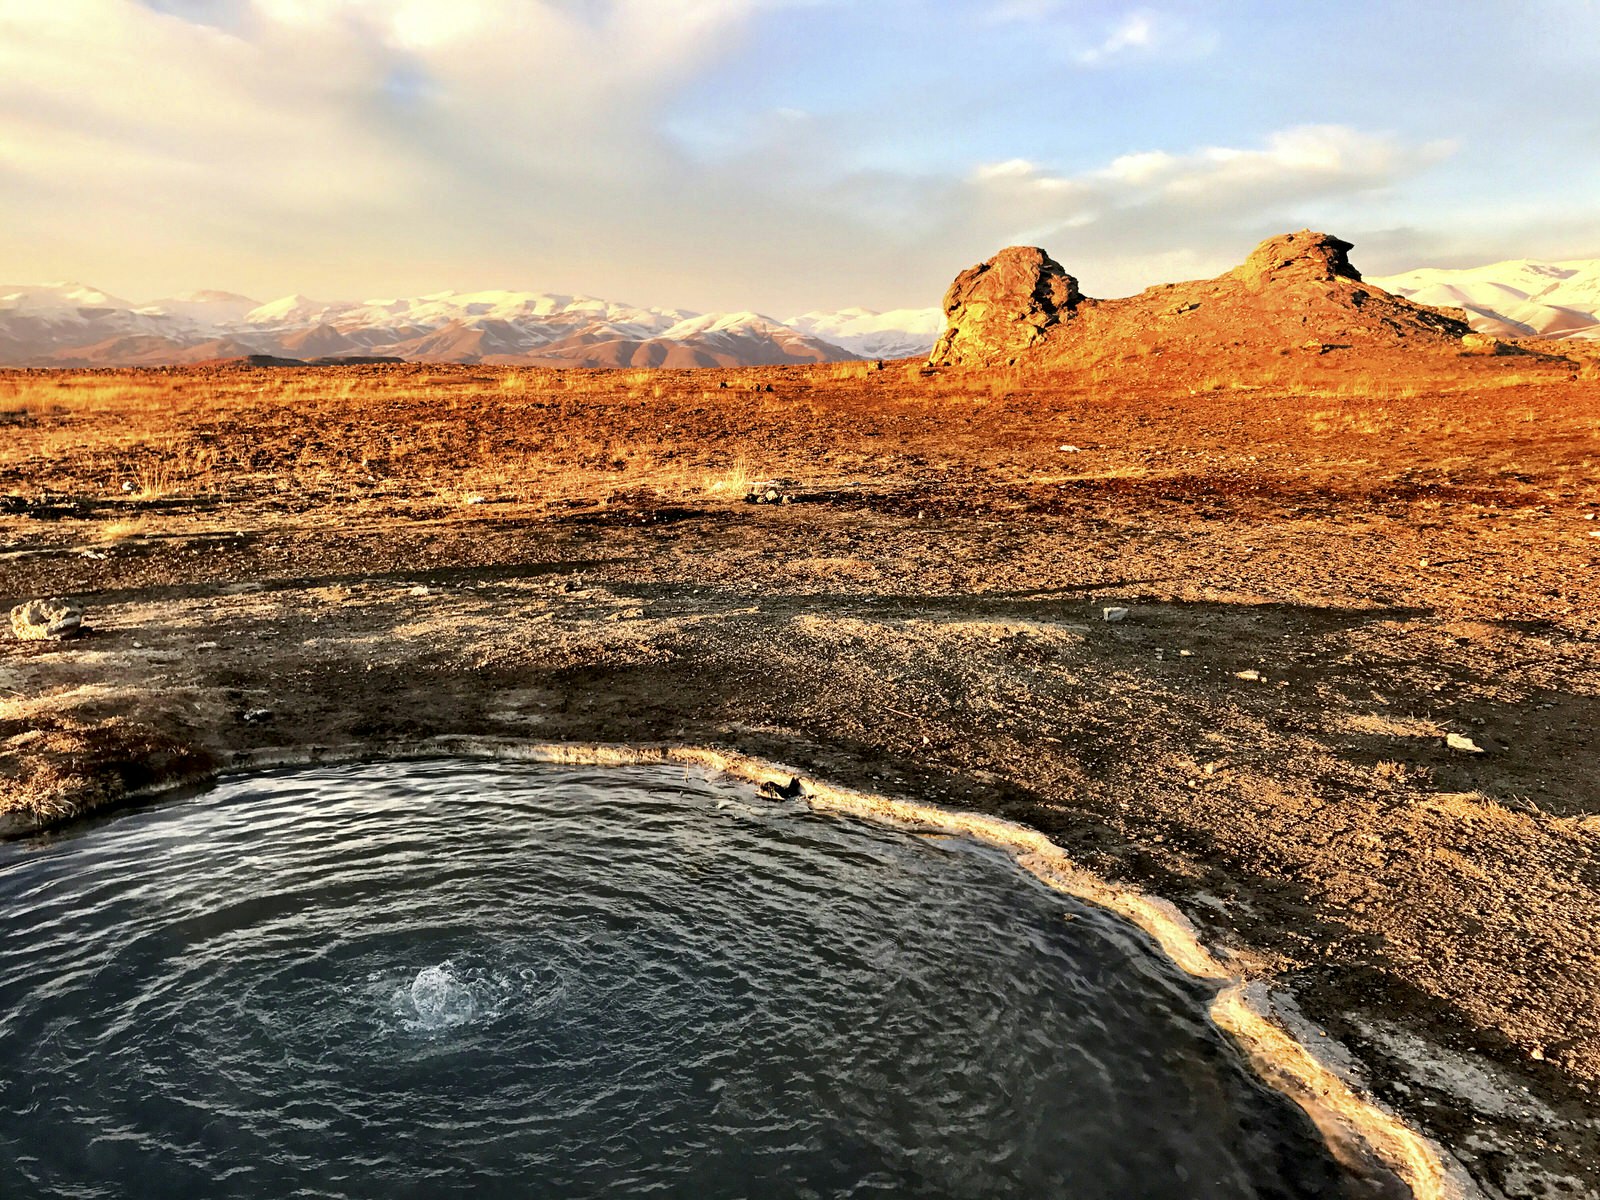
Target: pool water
x,y
496,979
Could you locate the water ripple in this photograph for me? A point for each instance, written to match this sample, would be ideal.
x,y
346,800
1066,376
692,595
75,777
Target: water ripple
x,y
505,980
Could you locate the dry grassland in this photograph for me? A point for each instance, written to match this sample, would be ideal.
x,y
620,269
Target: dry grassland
x,y
1331,565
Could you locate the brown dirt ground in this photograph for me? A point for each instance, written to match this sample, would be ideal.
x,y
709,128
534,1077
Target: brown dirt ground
x,y
1398,549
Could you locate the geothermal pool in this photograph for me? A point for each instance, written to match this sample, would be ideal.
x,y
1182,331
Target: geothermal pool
x,y
460,978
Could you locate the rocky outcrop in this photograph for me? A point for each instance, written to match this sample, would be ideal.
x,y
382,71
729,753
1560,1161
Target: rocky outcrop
x,y
1299,257
1295,291
999,309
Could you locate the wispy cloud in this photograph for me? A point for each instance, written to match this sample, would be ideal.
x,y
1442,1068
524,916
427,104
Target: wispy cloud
x,y
344,147
1135,32
1147,34
1201,201
342,131
1085,35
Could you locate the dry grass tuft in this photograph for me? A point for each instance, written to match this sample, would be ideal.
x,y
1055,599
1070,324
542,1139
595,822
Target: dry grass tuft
x,y
117,531
155,480
734,482
1385,725
1339,421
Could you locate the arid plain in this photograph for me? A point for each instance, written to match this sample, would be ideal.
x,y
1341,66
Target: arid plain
x,y
1328,569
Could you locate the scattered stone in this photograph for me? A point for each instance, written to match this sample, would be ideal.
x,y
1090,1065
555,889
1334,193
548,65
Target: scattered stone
x,y
1114,614
1250,675
1461,742
783,791
1483,343
626,614
768,492
255,716
1068,449
55,619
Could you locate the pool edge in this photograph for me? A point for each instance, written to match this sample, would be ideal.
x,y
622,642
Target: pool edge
x,y
1362,1133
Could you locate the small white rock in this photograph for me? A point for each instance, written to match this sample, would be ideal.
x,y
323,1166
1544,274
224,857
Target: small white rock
x,y
1249,676
1461,742
1114,614
55,619
1068,449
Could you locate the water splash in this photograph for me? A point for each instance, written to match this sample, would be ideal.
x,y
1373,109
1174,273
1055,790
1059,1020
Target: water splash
x,y
436,1000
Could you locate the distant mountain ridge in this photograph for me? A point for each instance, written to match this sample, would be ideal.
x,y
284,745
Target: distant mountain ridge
x,y
1519,298
74,325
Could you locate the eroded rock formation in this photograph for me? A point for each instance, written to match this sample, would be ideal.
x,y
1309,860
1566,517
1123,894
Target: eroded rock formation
x,y
1296,292
1303,256
1001,308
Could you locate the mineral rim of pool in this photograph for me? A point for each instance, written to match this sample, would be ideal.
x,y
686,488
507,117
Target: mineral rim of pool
x,y
495,979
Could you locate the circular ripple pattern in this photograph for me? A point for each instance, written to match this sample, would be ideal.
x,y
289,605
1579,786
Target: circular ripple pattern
x,y
507,980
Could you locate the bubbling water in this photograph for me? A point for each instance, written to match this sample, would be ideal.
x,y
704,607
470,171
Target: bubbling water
x,y
435,1000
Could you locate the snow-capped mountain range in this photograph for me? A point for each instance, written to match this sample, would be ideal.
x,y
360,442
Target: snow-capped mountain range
x,y
73,325
1520,298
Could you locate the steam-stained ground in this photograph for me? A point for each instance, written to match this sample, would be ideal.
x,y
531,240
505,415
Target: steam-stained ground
x,y
1329,568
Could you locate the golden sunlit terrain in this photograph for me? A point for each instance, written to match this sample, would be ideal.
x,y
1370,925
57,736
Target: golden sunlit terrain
x,y
1329,570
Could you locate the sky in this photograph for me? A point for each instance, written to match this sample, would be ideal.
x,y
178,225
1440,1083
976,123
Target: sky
x,y
778,155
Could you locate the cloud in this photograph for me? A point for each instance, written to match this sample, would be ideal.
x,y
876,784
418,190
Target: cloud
x,y
362,147
1140,34
331,137
1146,34
1203,205
1135,32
